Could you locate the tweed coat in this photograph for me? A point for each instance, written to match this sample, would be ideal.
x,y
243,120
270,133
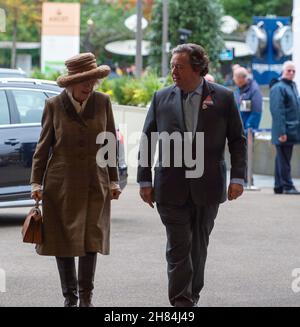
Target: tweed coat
x,y
76,197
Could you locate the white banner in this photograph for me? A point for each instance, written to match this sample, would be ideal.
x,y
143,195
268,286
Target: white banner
x,y
60,34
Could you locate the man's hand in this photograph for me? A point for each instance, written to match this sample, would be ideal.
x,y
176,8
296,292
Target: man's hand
x,y
282,138
235,191
147,195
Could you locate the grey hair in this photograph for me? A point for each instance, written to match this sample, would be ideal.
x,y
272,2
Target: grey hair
x,y
198,57
287,63
241,72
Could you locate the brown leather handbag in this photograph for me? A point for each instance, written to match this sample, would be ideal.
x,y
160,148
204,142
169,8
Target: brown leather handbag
x,y
32,230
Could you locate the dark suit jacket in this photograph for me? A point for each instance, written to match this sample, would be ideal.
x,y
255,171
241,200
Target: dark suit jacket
x,y
219,121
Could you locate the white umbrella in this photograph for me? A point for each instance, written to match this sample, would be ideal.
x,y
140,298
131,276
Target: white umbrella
x,y
229,24
127,47
131,22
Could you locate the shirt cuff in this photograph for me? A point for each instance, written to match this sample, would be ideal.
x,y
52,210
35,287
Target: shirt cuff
x,y
114,186
145,184
237,181
35,187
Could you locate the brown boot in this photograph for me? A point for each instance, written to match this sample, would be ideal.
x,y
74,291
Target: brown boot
x,y
86,273
68,279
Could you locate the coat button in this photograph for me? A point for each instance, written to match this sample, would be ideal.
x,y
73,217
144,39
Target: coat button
x,y
81,143
81,156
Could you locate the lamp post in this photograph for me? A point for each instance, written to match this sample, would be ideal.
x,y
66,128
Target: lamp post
x,y
184,35
139,39
165,39
87,42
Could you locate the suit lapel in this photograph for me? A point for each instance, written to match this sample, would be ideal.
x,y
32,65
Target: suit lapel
x,y
71,111
89,110
206,91
176,103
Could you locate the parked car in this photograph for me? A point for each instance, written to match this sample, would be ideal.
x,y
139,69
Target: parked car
x,y
21,107
7,72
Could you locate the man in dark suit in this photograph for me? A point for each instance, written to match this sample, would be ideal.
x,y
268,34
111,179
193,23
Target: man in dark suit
x,y
187,196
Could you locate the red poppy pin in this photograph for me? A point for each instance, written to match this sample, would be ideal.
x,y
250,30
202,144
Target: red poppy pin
x,y
207,102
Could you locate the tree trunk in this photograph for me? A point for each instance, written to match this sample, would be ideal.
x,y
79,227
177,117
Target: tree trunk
x,y
14,45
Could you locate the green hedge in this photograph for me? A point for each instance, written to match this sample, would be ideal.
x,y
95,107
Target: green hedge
x,y
125,90
133,91
50,77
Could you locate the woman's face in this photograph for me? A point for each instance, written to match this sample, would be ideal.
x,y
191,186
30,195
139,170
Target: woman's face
x,y
81,91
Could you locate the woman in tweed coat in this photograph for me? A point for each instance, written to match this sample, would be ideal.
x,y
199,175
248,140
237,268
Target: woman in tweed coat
x,y
76,192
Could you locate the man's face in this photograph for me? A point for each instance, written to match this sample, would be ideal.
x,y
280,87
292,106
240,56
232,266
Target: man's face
x,y
240,80
182,72
289,72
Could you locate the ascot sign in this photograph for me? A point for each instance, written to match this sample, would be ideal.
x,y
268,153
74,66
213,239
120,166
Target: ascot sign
x,y
60,34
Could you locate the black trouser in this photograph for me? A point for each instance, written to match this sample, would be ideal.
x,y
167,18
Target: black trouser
x,y
283,180
188,228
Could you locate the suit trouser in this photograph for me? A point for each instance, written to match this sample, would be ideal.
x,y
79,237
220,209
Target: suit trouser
x,y
188,228
283,179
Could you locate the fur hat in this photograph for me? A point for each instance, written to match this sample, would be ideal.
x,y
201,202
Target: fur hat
x,y
82,67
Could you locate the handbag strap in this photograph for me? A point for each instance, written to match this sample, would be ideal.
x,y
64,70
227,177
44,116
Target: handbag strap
x,y
37,204
37,209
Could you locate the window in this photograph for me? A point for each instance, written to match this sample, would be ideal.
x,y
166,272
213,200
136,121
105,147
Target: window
x,y
51,94
4,111
30,105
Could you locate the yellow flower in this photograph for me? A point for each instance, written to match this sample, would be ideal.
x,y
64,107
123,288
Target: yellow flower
x,y
109,92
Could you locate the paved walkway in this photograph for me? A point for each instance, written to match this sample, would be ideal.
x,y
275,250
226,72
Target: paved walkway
x,y
254,249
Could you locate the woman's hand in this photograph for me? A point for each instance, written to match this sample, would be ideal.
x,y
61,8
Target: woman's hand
x,y
37,195
115,193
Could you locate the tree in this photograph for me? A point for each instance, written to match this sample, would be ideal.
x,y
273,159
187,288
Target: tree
x,y
106,24
22,15
201,17
244,10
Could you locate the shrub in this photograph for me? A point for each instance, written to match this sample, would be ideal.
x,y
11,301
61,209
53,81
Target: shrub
x,y
132,91
39,75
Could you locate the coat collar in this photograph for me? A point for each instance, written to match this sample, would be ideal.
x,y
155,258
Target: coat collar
x,y
88,111
207,89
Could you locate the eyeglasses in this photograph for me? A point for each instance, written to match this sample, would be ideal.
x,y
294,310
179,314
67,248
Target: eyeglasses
x,y
291,70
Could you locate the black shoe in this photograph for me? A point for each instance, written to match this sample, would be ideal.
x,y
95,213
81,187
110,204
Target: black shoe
x,y
278,190
293,191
